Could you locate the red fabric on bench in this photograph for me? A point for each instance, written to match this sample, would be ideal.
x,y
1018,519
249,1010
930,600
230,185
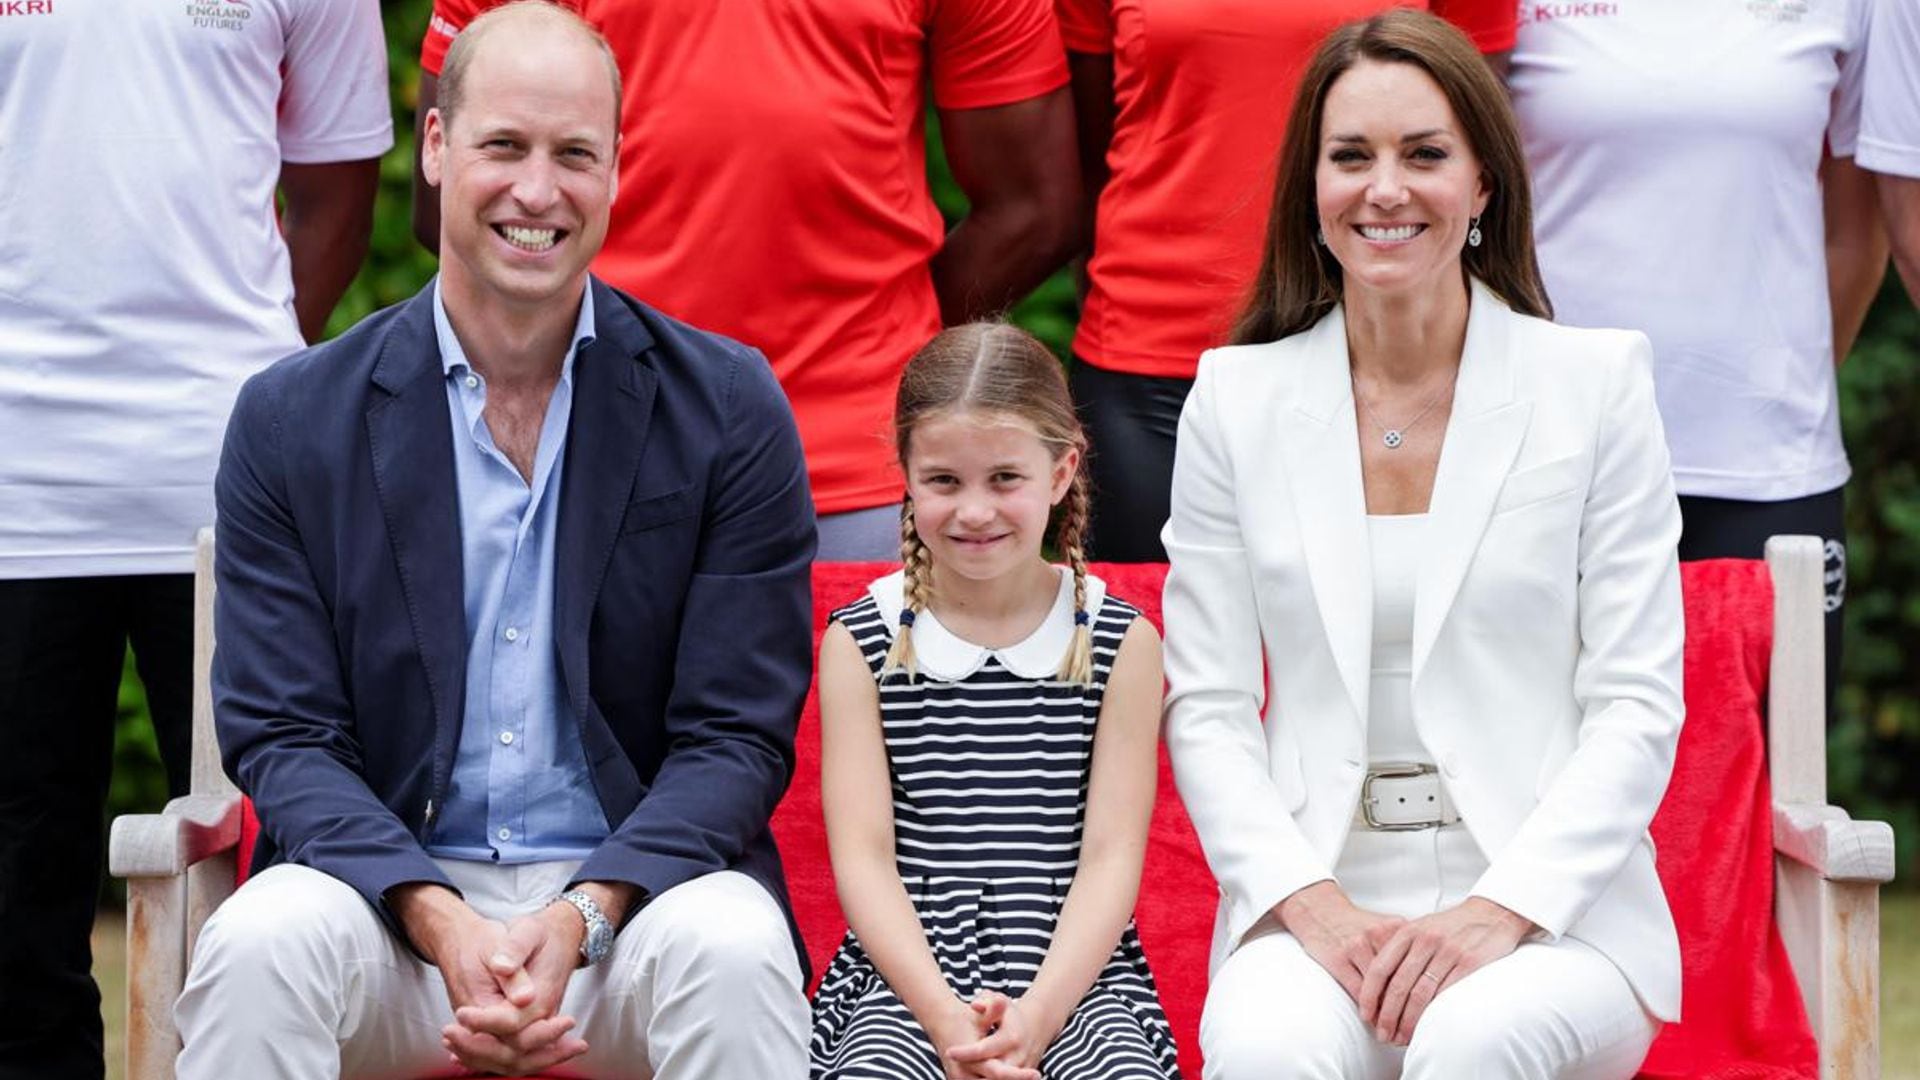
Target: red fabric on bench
x,y
1742,1013
1744,1017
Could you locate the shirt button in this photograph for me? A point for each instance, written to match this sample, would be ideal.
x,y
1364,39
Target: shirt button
x,y
506,738
505,834
513,633
473,381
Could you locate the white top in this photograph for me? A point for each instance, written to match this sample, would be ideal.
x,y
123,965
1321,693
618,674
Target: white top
x,y
142,274
942,654
1675,148
1890,104
1395,544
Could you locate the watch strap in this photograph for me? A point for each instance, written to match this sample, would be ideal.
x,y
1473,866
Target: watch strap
x,y
597,944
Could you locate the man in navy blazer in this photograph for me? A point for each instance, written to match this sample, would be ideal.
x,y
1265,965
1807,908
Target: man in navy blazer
x,y
513,623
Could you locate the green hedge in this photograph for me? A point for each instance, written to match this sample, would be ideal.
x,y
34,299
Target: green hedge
x,y
1875,755
1873,759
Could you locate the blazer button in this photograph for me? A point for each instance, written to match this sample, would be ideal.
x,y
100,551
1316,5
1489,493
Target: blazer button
x,y
1451,766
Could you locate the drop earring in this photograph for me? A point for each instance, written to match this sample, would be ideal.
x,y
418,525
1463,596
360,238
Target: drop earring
x,y
1473,233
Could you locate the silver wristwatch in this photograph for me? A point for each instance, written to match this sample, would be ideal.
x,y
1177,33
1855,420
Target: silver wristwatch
x,y
597,945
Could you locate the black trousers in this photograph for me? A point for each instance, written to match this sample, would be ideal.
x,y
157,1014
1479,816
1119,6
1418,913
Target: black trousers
x,y
1131,421
62,644
1738,529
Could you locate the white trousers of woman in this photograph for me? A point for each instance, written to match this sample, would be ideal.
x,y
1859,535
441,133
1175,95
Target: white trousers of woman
x,y
295,978
1550,1009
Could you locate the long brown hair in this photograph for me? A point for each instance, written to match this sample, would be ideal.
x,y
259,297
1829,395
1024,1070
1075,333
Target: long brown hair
x,y
995,369
1299,280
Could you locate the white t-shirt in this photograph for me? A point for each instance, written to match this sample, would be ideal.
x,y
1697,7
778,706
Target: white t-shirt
x,y
1675,148
142,273
1890,105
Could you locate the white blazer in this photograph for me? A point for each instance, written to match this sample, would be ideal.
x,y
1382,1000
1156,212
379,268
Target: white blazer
x,y
1546,637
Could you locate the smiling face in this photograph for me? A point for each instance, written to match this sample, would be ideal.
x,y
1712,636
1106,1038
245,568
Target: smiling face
x,y
1396,182
526,167
983,485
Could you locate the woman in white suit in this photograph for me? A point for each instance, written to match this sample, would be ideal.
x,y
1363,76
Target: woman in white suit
x,y
1433,536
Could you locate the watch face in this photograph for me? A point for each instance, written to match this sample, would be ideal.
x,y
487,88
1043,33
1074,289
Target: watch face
x,y
599,942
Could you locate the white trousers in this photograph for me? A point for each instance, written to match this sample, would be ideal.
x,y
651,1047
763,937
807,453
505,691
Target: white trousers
x,y
294,977
1550,1009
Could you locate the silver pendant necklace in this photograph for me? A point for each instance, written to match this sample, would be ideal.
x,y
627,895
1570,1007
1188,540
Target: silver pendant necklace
x,y
1394,437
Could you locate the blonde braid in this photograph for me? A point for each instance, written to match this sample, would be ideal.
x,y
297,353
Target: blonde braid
x,y
917,594
1077,665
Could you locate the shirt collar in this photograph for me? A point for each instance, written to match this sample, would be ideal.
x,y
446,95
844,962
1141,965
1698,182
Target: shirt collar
x,y
453,358
944,655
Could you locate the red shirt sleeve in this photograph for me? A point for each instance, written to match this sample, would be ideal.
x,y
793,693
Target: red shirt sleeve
x,y
1489,23
1086,26
994,52
449,18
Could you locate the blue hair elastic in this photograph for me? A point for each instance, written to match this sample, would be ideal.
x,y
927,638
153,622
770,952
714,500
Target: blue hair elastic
x,y
1080,618
906,617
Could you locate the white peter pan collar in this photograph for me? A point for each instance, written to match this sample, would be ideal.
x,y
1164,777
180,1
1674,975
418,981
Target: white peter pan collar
x,y
944,655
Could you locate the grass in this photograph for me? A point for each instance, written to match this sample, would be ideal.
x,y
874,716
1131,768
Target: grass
x,y
1899,985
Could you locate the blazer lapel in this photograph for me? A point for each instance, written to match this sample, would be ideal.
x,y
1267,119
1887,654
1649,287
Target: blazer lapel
x,y
1322,449
613,391
410,439
1483,437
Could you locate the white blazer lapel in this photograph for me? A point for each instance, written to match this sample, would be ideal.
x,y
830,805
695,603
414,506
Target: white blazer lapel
x,y
1322,450
1483,437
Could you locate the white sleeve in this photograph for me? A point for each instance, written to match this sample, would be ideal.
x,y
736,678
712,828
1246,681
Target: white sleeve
x,y
1890,109
333,100
1627,678
1216,682
1843,122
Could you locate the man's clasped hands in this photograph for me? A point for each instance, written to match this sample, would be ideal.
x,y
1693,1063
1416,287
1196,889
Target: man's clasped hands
x,y
505,980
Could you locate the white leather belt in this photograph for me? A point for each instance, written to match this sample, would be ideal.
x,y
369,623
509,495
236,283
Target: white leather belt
x,y
1402,796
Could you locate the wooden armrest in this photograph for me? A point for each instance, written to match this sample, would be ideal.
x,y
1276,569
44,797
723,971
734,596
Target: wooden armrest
x,y
191,829
1831,844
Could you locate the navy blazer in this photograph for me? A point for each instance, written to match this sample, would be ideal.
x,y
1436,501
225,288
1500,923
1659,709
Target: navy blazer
x,y
682,602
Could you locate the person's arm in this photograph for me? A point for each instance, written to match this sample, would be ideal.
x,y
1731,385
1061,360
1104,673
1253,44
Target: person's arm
x,y
333,121
1017,165
1093,111
426,197
1113,846
282,711
1889,138
1594,813
856,799
326,217
1900,207
1856,247
1216,681
743,650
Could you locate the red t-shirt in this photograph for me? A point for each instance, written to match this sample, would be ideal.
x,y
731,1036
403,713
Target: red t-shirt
x,y
773,184
1202,90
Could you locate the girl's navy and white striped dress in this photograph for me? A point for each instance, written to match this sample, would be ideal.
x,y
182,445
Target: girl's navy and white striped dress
x,y
990,754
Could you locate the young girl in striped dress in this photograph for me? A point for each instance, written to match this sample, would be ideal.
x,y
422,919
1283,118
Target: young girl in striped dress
x,y
990,724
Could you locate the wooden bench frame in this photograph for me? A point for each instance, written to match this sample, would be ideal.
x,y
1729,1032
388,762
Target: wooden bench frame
x,y
179,864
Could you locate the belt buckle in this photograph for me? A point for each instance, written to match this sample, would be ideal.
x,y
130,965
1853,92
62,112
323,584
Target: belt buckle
x,y
1391,771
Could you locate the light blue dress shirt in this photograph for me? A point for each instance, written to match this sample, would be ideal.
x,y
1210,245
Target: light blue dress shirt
x,y
520,790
